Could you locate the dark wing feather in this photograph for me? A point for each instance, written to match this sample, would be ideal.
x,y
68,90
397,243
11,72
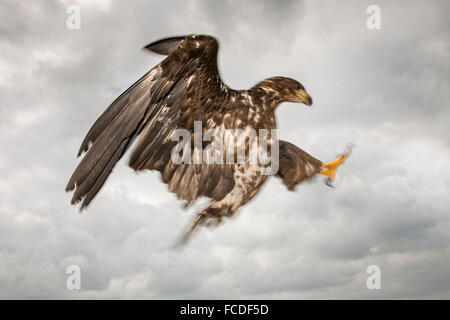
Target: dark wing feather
x,y
165,46
139,88
164,99
296,165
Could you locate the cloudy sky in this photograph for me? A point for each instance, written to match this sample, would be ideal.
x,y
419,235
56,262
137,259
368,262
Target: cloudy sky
x,y
385,90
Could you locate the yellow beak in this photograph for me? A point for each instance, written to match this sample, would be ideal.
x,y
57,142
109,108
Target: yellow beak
x,y
304,97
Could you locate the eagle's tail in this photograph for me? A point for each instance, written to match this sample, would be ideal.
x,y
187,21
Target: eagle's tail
x,y
210,217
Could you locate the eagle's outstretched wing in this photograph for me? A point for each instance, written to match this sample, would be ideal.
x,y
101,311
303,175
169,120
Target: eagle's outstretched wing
x,y
174,94
296,165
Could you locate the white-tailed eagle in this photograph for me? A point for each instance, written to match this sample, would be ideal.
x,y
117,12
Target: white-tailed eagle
x,y
184,88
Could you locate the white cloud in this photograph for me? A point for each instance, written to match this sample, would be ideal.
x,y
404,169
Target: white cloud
x,y
385,91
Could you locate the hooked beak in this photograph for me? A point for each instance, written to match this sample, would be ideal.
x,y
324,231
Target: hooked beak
x,y
304,97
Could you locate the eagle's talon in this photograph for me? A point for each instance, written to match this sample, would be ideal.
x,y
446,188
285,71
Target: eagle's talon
x,y
332,165
329,182
328,169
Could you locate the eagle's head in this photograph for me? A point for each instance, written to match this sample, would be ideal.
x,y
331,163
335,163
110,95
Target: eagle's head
x,y
285,90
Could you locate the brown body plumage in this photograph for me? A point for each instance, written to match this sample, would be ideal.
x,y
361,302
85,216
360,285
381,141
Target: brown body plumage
x,y
186,87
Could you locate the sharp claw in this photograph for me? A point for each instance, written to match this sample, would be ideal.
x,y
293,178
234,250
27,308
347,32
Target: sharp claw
x,y
329,183
329,168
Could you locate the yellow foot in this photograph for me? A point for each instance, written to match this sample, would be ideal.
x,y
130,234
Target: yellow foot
x,y
328,169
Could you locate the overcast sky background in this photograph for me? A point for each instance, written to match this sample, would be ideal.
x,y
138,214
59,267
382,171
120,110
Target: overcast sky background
x,y
385,90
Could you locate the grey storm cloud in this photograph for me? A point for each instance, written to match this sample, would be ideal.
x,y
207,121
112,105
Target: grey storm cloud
x,y
385,90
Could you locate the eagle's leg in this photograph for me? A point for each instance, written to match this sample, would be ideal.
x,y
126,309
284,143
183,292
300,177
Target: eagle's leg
x,y
217,210
329,168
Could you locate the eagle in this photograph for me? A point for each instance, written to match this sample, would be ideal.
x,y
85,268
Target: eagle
x,y
182,90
